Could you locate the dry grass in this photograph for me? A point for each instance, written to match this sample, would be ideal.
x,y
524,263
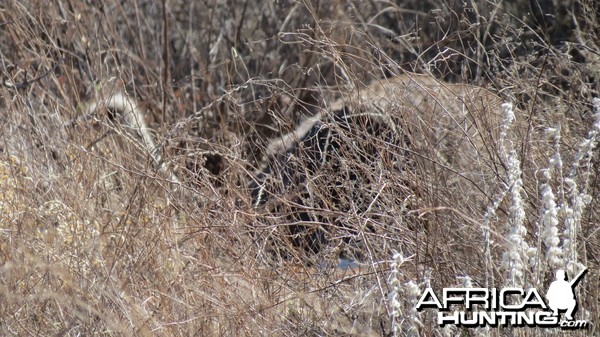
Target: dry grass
x,y
95,238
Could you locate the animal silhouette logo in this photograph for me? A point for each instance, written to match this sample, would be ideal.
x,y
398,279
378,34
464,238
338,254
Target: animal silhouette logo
x,y
561,293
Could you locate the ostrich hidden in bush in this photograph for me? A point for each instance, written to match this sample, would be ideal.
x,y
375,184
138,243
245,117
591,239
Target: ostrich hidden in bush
x,y
323,184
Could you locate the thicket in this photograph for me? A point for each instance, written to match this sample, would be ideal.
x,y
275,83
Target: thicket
x,y
95,240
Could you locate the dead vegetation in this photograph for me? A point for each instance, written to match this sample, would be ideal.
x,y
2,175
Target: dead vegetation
x,y
99,235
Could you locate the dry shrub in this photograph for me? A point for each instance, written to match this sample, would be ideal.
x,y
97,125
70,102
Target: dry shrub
x,y
96,239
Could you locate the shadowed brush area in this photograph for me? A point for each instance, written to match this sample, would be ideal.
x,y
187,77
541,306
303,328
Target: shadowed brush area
x,y
291,168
